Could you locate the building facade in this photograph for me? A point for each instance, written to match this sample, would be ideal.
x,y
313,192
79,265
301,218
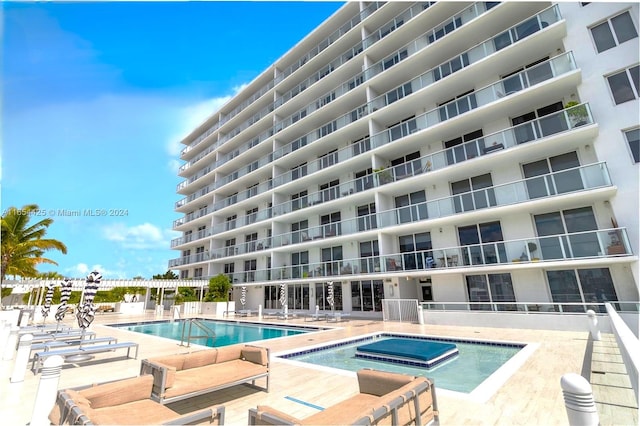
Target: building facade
x,y
439,151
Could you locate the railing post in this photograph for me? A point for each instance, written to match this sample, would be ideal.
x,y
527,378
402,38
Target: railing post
x,y
47,391
22,358
578,400
12,341
593,325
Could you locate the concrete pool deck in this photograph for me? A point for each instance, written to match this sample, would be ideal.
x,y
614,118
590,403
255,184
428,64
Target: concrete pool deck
x,y
531,395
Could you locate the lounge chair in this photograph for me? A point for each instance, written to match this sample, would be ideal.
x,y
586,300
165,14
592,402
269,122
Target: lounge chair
x,y
123,402
384,398
66,335
337,316
39,357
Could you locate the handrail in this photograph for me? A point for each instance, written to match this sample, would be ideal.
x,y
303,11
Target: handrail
x,y
210,334
628,344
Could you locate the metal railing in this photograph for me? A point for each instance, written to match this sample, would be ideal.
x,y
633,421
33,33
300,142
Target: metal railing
x,y
628,344
532,308
187,336
402,310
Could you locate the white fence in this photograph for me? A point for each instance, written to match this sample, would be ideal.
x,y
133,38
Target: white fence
x,y
402,310
628,344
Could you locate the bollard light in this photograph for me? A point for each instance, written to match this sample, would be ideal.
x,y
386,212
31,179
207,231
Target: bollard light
x,y
578,400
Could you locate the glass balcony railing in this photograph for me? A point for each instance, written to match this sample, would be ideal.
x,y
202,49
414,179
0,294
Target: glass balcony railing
x,y
533,308
454,108
355,20
242,248
187,238
576,179
570,246
546,126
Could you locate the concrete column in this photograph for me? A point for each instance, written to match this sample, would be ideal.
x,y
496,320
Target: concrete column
x,y
47,391
22,358
578,400
12,341
593,325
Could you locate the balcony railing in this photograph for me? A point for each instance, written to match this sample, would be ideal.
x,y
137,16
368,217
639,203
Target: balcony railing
x,y
541,72
533,308
582,178
242,248
561,247
549,125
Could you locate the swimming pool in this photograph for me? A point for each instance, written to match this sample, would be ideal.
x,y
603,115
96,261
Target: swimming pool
x,y
476,362
226,332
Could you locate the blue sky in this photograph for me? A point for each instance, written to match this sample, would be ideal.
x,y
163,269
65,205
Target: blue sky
x,y
95,99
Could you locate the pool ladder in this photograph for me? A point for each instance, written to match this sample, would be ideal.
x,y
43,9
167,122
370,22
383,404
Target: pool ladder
x,y
210,335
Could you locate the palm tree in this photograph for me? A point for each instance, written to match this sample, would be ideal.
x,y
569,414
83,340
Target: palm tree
x,y
23,245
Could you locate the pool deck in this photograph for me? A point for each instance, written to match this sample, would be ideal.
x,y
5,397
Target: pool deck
x,y
531,395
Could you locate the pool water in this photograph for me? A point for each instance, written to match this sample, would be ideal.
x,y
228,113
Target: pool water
x,y
475,362
226,332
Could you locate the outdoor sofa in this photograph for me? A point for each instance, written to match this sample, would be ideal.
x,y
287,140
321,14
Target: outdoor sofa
x,y
384,398
183,376
123,402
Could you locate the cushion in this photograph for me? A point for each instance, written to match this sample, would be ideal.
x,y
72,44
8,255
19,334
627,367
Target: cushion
x,y
229,353
345,412
284,417
380,382
199,358
146,412
176,361
255,355
120,392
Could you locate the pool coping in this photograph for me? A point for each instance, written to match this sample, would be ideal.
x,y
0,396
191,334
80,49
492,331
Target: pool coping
x,y
480,394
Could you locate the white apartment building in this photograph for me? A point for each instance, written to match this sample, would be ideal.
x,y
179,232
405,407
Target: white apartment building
x,y
439,151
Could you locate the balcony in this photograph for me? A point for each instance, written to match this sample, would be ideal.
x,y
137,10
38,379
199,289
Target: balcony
x,y
578,179
528,252
243,248
187,238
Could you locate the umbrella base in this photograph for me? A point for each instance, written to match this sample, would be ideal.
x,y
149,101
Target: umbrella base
x,y
78,358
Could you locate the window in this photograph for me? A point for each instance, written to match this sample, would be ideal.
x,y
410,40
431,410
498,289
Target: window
x,y
329,159
417,252
537,71
369,252
298,296
367,217
483,244
613,32
403,128
299,200
299,231
331,225
491,288
539,123
407,165
322,293
557,183
250,267
230,222
398,93
581,286
271,296
250,242
300,264
230,248
361,145
458,105
331,260
411,207
625,85
229,269
366,296
330,190
475,193
397,57
328,128
197,273
364,179
299,171
633,139
553,227
298,143
450,67
252,215
463,151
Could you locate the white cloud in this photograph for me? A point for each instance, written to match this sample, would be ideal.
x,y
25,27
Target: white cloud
x,y
139,237
81,270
